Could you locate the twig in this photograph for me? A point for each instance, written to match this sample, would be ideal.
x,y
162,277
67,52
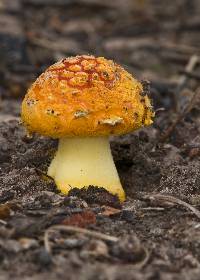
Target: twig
x,y
173,200
152,208
191,74
78,230
143,261
194,59
192,146
3,222
188,108
160,110
95,234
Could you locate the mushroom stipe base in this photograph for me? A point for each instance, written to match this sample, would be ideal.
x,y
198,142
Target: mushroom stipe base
x,y
83,161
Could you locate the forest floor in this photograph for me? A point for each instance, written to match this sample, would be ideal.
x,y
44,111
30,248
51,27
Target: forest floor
x,y
155,233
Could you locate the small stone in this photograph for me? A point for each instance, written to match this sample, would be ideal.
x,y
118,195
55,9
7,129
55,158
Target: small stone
x,y
128,216
5,211
81,219
128,249
43,258
72,243
28,243
95,248
11,246
74,202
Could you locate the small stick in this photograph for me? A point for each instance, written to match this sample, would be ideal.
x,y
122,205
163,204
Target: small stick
x,y
92,234
172,199
191,146
152,208
3,222
160,110
194,59
188,108
191,74
78,230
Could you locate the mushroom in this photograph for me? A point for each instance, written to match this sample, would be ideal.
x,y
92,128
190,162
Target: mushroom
x,y
82,100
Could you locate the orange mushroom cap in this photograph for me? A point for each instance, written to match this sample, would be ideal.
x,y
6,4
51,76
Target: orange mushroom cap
x,y
85,96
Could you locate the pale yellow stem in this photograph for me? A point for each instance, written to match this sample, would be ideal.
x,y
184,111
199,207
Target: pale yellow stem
x,y
80,162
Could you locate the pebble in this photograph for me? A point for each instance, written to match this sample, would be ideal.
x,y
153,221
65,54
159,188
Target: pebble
x,y
28,243
72,243
11,246
95,248
128,215
128,249
43,258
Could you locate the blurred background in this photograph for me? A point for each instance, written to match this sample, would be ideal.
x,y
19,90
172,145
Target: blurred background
x,y
153,39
